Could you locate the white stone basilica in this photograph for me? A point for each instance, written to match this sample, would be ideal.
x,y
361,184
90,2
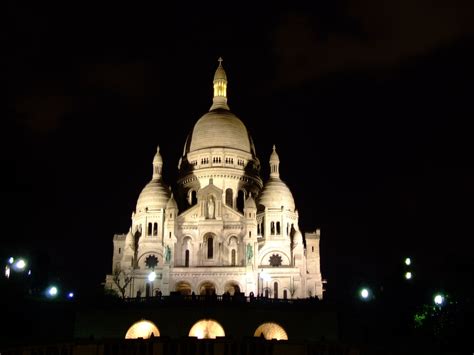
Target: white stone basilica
x,y
230,233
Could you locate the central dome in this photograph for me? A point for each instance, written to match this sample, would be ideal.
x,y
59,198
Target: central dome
x,y
220,128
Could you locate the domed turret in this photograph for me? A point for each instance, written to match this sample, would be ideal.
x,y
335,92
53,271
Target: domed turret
x,y
155,194
171,203
250,202
275,193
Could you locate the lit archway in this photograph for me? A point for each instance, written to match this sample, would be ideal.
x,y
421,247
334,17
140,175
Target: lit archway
x,y
206,329
232,287
183,288
271,331
142,329
207,288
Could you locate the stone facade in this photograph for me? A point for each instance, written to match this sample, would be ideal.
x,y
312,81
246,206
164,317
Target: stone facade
x,y
222,230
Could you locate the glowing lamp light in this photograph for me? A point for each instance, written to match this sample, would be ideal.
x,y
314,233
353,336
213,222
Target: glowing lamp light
x,y
20,264
438,299
11,260
7,272
271,331
70,295
364,293
408,275
53,291
207,329
407,261
152,276
142,329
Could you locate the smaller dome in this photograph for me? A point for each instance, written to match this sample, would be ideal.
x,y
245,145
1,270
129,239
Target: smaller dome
x,y
154,196
250,202
171,203
276,194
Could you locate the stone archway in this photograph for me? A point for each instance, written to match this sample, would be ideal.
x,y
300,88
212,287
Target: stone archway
x,y
183,288
207,288
142,329
271,331
232,287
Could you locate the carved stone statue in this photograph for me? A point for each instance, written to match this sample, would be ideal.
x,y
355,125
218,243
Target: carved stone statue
x,y
249,253
211,208
168,254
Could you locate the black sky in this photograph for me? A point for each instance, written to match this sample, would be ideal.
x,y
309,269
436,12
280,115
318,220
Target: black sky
x,y
369,104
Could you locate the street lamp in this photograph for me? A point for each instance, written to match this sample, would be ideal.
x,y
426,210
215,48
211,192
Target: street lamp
x,y
438,299
52,291
408,261
365,294
408,275
151,278
20,264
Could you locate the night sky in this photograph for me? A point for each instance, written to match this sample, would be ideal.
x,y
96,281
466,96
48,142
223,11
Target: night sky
x,y
369,103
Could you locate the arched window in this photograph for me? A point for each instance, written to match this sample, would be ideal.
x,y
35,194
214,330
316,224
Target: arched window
x,y
186,258
312,249
258,229
147,290
285,294
233,257
272,228
210,248
193,198
229,198
240,200
287,229
150,226
275,290
155,228
278,228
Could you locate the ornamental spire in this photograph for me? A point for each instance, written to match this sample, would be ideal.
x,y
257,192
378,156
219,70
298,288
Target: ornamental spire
x,y
220,88
274,164
157,164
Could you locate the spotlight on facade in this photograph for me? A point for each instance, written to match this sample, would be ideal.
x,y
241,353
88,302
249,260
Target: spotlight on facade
x,y
407,261
52,291
408,275
152,276
20,264
265,276
438,299
365,294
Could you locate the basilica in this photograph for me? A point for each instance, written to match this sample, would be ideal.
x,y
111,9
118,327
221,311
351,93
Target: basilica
x,y
223,230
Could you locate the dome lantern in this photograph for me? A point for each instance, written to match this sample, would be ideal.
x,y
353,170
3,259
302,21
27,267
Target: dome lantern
x,y
274,164
220,88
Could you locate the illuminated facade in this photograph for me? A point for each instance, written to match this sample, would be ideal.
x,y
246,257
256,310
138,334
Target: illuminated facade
x,y
223,229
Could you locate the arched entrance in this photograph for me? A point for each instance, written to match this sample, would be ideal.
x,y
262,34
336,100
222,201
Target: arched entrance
x,y
271,331
207,288
183,288
142,329
206,329
232,287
